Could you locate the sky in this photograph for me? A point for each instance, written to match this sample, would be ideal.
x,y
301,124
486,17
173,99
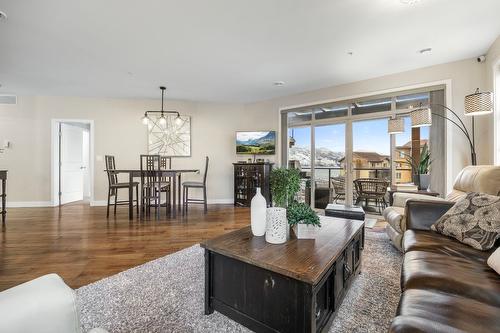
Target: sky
x,y
368,135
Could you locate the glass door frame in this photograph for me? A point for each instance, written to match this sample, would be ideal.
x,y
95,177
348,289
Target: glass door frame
x,y
348,139
348,121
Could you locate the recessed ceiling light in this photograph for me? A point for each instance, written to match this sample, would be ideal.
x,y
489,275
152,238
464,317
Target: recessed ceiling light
x,y
409,2
278,83
426,50
3,16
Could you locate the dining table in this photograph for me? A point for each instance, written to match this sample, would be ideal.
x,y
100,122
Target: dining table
x,y
174,174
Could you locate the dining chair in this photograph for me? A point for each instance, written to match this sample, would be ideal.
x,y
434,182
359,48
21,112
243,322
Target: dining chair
x,y
150,183
114,186
190,184
165,164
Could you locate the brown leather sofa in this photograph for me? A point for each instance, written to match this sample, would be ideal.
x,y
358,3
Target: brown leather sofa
x,y
446,286
473,178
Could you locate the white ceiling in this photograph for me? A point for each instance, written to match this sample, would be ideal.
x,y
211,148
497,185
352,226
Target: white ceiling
x,y
228,50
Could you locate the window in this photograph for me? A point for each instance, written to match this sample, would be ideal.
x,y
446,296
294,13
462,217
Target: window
x,y
323,130
299,157
404,149
412,101
330,111
299,116
374,105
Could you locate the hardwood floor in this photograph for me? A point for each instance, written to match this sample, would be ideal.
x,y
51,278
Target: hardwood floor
x,y
82,246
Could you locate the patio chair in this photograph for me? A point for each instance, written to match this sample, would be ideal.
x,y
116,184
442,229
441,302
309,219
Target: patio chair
x,y
338,184
372,189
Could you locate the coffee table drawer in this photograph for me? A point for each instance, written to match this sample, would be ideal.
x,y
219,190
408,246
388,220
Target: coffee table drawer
x,y
274,300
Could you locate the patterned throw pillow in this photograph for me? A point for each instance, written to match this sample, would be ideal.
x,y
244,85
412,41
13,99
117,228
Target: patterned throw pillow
x,y
473,220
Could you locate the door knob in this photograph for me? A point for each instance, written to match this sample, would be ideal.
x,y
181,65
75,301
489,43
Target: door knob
x,y
83,167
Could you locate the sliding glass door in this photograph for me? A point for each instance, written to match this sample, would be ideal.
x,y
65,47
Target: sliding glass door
x,y
299,157
329,161
371,150
337,145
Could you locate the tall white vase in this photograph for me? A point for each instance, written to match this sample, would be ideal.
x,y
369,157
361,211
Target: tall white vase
x,y
276,225
258,207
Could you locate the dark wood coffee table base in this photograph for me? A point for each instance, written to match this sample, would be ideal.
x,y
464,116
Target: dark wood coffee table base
x,y
267,301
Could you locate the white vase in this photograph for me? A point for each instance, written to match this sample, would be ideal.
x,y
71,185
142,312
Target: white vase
x,y
258,207
276,225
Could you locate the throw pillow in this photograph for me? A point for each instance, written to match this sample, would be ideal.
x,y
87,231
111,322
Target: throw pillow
x,y
473,220
494,261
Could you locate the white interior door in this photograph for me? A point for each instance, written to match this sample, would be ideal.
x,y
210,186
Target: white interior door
x,y
72,163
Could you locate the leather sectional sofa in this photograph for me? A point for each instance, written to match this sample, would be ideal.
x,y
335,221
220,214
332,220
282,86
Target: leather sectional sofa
x,y
477,178
446,286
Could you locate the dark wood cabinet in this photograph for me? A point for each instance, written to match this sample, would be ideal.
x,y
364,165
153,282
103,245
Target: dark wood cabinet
x,y
297,286
248,176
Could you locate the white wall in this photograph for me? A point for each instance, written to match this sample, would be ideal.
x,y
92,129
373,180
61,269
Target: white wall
x,y
118,131
490,122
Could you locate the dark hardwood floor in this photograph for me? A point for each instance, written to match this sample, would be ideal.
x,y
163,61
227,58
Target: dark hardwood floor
x,y
82,246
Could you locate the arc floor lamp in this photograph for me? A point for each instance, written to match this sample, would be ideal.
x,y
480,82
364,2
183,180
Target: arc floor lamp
x,y
476,104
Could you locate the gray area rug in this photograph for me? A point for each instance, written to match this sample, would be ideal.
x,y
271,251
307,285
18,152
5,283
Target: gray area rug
x,y
166,295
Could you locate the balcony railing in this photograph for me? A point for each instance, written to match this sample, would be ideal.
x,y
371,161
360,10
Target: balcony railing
x,y
325,174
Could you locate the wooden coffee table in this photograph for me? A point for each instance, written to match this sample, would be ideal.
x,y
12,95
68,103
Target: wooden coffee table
x,y
293,287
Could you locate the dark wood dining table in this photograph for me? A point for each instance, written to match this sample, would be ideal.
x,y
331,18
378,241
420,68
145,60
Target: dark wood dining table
x,y
174,174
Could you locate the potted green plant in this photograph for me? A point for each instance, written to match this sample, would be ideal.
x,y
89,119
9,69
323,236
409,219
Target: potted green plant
x,y
284,183
303,219
421,168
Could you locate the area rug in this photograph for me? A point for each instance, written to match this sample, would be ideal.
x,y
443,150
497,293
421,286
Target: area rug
x,y
370,222
166,295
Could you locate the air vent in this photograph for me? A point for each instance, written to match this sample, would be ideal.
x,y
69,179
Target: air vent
x,y
8,99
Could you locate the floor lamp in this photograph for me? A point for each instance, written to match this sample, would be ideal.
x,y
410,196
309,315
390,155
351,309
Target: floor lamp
x,y
476,104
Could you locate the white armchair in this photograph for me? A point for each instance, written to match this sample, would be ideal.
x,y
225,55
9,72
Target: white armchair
x,y
481,178
42,305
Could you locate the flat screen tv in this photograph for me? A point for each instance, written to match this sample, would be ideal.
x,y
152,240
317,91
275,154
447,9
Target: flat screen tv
x,y
256,143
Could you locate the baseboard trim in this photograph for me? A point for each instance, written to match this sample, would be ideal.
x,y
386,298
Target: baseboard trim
x,y
94,203
29,204
100,203
220,201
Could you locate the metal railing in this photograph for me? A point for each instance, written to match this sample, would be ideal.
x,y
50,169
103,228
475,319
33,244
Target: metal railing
x,y
332,172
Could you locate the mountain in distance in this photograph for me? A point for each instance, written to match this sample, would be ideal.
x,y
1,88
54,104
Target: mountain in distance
x,y
270,137
324,156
